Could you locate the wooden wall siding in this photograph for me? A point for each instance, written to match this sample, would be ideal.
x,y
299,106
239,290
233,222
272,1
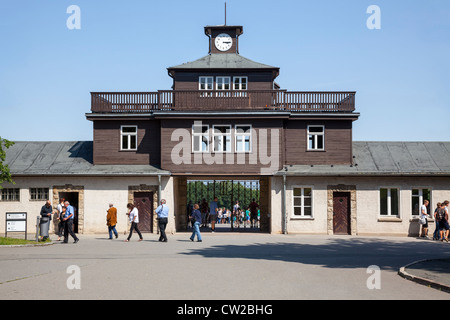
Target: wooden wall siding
x,y
274,100
256,80
338,143
224,168
107,143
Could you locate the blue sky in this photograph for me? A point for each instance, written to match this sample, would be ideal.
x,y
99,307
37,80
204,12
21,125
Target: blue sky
x,y
400,72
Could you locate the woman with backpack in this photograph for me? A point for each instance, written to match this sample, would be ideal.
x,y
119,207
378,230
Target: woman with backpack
x,y
436,222
443,221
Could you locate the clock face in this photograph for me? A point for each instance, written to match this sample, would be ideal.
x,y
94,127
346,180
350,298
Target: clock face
x,y
223,42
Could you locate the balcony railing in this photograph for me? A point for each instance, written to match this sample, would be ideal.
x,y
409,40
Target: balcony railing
x,y
174,100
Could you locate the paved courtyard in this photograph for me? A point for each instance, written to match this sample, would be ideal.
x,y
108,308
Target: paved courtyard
x,y
239,266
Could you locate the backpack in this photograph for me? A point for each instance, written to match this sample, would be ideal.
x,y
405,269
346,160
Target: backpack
x,y
440,214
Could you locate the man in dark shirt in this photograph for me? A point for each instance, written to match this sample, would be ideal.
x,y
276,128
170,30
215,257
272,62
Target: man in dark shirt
x,y
46,217
253,212
197,219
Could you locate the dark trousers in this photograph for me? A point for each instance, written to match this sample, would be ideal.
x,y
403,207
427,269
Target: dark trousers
x,y
68,229
162,223
134,227
61,227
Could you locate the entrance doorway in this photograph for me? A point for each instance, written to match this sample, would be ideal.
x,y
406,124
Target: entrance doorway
x,y
73,198
341,213
143,201
227,193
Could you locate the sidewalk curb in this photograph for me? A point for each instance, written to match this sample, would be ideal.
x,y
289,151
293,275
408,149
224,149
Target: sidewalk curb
x,y
435,285
27,245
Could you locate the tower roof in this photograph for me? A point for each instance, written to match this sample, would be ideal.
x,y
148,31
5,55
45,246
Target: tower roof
x,y
224,61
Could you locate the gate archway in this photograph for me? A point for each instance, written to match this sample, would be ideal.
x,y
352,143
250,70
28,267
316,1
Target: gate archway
x,y
228,191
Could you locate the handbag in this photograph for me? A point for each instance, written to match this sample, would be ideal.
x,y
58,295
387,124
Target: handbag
x,y
422,220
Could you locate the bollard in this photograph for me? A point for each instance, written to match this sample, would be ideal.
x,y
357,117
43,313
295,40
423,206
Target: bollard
x,y
38,222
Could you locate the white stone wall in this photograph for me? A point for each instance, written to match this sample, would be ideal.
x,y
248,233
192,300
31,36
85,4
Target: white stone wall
x,y
98,193
368,219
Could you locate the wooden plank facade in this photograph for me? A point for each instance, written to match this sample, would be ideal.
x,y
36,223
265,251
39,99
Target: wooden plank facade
x,y
228,91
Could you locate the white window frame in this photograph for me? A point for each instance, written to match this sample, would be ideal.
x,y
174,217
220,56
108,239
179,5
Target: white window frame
x,y
302,203
39,194
207,81
223,137
420,196
314,136
242,135
240,83
223,78
200,135
129,135
389,202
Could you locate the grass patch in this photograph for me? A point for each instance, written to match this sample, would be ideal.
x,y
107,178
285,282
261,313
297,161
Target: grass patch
x,y
14,242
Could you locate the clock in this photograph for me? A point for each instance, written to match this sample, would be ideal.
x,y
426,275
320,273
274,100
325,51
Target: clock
x,y
223,42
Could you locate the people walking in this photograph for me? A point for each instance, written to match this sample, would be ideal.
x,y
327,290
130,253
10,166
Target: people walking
x,y
163,215
189,209
68,225
423,216
213,208
62,223
134,219
436,221
219,215
60,218
204,212
111,221
236,215
253,212
443,222
196,217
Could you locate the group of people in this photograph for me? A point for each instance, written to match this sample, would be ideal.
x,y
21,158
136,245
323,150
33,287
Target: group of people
x,y
200,215
133,215
441,220
212,213
65,214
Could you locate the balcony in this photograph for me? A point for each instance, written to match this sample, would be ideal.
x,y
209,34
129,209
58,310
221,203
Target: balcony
x,y
189,101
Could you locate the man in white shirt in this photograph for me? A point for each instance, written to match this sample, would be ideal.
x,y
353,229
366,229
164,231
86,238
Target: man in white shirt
x,y
424,214
134,219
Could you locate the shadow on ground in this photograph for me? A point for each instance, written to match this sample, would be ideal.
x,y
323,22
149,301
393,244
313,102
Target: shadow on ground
x,y
333,253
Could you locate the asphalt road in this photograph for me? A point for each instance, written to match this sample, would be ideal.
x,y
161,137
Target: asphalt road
x,y
240,266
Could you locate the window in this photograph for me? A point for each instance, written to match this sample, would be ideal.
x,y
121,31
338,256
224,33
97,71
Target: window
x,y
389,202
205,83
302,202
128,136
200,138
39,194
222,138
11,194
240,83
223,83
243,138
316,137
417,198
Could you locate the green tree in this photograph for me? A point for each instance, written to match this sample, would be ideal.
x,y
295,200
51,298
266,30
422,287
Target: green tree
x,y
5,174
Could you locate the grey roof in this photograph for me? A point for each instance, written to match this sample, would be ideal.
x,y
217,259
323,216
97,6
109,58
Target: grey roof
x,y
370,158
386,158
223,61
66,158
